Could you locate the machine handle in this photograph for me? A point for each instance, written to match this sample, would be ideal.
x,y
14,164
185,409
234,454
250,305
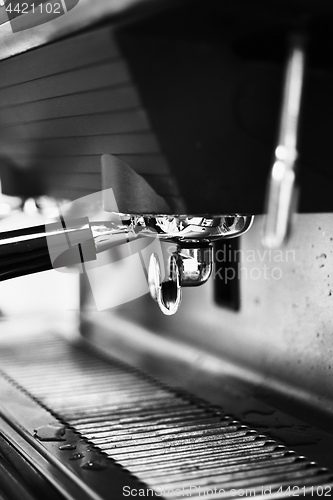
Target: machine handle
x,y
34,249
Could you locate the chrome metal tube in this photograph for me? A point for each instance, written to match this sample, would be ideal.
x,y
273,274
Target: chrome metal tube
x,y
282,193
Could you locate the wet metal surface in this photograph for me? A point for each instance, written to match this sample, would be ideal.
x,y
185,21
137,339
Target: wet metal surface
x,y
166,439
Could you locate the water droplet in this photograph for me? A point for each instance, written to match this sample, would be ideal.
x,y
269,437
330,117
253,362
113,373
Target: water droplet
x,y
50,432
93,466
68,446
76,456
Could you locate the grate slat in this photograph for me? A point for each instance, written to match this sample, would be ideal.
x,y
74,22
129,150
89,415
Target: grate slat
x,y
167,440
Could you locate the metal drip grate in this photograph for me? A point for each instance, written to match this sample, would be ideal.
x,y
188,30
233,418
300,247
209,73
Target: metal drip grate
x,y
174,444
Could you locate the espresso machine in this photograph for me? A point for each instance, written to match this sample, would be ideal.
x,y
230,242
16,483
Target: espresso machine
x,y
176,156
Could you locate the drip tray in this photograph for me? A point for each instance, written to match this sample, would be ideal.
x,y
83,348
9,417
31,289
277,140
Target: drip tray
x,y
97,428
